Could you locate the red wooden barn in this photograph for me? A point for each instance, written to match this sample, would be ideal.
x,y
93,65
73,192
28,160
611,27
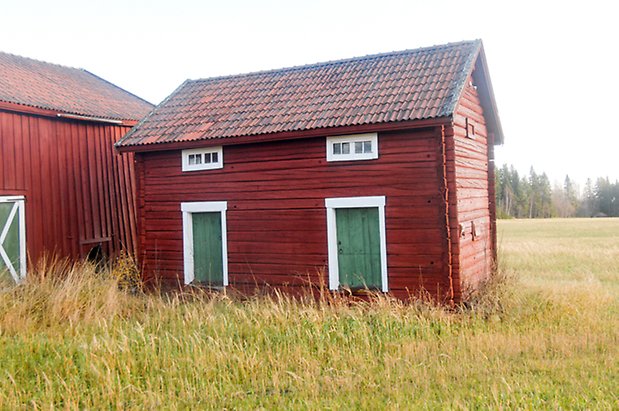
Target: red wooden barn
x,y
63,188
367,172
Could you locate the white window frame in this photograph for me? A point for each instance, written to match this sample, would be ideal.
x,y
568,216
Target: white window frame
x,y
20,213
202,207
333,204
203,166
352,139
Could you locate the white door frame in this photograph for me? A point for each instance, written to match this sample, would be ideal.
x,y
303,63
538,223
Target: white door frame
x,y
354,202
202,207
18,211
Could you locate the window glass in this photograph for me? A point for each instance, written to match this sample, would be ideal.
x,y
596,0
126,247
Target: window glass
x,y
195,159
345,148
358,147
215,157
367,146
337,148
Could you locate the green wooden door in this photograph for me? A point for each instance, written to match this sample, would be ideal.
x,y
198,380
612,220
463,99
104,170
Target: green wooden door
x,y
10,244
358,246
207,248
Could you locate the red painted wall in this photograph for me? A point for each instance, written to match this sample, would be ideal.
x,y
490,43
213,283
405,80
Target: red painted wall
x,y
276,216
78,190
475,194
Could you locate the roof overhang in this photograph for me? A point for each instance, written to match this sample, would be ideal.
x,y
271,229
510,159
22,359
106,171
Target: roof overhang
x,y
24,109
288,135
481,77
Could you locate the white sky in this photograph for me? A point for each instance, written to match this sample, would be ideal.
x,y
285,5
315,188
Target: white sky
x,y
554,64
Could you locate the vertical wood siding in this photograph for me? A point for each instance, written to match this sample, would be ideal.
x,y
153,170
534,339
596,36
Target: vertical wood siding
x,y
474,204
79,191
276,216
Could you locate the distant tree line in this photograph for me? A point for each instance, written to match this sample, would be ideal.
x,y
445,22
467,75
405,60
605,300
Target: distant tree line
x,y
532,196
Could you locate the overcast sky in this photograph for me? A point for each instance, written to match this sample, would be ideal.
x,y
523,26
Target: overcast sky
x,y
553,65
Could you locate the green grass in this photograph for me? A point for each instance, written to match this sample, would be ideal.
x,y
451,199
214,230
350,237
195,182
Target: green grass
x,y
545,336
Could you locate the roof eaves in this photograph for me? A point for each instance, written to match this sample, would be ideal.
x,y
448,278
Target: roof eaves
x,y
120,143
499,138
158,145
46,110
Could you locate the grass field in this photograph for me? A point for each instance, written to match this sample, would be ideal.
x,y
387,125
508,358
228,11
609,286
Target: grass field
x,y
547,336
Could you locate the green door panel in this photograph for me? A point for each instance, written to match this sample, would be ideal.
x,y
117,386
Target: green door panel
x,y
207,248
358,246
10,245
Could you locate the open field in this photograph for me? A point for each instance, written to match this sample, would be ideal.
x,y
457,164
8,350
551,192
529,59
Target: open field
x,y
545,337
562,254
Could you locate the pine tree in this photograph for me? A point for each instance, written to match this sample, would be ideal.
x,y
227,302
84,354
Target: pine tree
x,y
588,205
532,192
603,197
546,209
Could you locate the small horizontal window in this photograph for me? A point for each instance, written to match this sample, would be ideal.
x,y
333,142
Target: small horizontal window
x,y
352,147
202,159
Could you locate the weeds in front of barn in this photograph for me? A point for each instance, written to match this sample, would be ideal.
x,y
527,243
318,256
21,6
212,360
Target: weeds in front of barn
x,y
70,337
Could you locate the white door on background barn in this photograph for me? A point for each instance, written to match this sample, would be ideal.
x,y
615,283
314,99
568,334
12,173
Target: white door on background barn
x,y
12,239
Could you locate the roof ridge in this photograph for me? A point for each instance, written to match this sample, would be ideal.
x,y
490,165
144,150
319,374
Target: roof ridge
x,y
116,86
336,62
41,61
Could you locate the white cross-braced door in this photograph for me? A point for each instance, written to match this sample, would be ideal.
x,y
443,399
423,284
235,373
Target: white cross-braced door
x,y
12,239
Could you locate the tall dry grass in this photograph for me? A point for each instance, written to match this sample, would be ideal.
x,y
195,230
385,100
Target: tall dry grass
x,y
58,295
71,338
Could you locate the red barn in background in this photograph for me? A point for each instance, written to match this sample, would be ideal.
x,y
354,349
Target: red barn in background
x,y
368,172
63,188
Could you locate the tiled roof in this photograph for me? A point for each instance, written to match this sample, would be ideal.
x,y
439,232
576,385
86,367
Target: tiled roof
x,y
398,86
65,89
